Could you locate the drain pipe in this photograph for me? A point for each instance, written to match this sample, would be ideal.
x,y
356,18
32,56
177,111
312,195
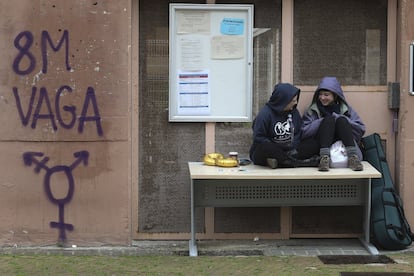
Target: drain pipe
x,y
394,106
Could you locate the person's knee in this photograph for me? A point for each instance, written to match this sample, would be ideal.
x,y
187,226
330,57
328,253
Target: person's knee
x,y
328,122
341,122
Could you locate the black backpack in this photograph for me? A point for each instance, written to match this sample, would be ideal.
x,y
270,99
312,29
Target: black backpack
x,y
389,227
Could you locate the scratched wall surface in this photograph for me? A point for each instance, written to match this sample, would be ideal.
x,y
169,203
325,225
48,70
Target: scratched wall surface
x,y
66,167
165,148
64,114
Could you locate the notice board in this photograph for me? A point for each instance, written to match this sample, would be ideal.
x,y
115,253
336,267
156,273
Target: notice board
x,y
210,63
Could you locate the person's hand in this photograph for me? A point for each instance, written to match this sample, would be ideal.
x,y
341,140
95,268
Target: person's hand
x,y
336,115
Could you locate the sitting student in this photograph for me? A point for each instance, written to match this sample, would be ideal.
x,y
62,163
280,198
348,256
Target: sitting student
x,y
328,119
276,130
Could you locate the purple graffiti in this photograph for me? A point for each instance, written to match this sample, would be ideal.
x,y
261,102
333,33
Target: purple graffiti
x,y
23,43
24,52
90,97
44,103
32,158
40,107
70,109
46,37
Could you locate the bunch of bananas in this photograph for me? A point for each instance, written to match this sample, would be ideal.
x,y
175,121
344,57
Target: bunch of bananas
x,y
217,159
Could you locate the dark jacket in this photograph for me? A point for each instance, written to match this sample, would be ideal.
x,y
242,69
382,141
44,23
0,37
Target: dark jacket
x,y
271,124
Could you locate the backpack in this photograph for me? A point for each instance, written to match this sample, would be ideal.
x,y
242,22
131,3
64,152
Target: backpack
x,y
390,229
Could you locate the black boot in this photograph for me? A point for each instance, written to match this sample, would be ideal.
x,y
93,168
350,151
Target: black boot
x,y
309,162
292,154
287,163
296,163
272,163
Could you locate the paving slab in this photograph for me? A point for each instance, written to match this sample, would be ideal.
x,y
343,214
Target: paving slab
x,y
292,247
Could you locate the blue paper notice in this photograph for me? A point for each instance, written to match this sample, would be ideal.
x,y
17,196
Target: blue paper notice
x,y
232,26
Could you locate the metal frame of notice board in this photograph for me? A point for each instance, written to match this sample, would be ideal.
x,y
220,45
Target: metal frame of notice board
x,y
210,63
411,70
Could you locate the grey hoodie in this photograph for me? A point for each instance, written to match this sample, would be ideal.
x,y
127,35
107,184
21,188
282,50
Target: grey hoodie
x,y
312,117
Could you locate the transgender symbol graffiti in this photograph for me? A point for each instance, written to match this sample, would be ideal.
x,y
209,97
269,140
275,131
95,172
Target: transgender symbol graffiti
x,y
30,158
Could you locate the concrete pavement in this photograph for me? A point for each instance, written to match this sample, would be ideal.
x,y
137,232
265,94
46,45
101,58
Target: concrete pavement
x,y
298,247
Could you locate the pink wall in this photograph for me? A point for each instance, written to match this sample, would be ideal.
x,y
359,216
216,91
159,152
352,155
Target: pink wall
x,y
406,135
42,148
65,122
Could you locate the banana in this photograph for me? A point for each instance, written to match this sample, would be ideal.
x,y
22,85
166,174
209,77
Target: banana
x,y
227,162
217,159
211,158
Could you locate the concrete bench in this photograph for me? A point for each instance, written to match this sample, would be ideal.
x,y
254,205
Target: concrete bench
x,y
258,186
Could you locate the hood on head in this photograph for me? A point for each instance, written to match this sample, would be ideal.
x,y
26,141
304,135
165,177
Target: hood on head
x,y
331,84
282,95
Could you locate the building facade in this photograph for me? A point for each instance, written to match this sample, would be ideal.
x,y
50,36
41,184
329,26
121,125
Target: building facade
x,y
90,157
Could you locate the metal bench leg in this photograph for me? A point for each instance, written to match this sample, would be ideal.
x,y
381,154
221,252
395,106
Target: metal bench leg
x,y
192,243
367,217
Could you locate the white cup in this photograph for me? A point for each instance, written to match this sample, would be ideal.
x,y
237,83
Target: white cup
x,y
234,155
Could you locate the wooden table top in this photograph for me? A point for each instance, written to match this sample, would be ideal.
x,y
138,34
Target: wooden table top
x,y
198,170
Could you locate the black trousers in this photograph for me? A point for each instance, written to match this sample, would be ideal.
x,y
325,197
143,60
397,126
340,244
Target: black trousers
x,y
268,150
329,132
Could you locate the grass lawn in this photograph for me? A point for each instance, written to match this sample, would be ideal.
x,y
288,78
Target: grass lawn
x,y
183,265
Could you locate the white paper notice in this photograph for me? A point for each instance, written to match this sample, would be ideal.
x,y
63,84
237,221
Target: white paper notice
x,y
227,47
194,93
193,22
191,54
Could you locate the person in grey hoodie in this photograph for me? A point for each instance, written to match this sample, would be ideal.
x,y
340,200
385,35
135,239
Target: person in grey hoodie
x,y
277,129
330,118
